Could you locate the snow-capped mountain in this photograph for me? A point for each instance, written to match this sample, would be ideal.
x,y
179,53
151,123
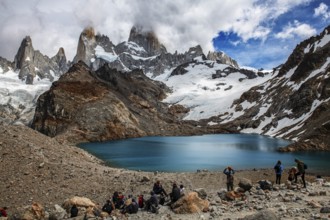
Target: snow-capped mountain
x,y
25,79
291,101
142,51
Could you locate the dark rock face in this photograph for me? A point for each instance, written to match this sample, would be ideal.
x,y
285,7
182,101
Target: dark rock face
x,y
6,65
104,105
147,39
31,63
221,57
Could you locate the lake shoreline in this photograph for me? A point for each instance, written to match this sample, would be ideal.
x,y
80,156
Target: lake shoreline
x,y
206,152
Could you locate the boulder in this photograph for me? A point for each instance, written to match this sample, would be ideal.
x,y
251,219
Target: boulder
x,y
222,194
59,212
78,201
265,184
201,193
190,203
262,215
245,184
232,195
34,212
325,210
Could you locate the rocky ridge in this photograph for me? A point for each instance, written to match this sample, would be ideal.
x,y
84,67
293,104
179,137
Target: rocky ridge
x,y
295,103
84,105
31,63
143,50
41,170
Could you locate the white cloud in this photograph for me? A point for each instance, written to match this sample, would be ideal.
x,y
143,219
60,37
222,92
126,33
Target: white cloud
x,y
296,29
178,24
322,11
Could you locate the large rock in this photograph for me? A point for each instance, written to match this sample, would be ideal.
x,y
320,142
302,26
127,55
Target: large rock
x,y
190,203
265,184
78,201
34,212
262,215
201,193
245,184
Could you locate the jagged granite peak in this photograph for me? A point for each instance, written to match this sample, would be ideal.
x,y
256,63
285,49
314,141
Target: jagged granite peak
x,y
86,46
25,52
31,63
146,39
61,61
105,43
5,65
221,57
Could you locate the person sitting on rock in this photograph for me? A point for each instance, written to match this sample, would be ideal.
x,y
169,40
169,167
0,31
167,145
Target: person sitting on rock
x,y
160,192
158,189
229,172
3,212
118,200
151,204
131,206
182,189
175,194
74,211
108,207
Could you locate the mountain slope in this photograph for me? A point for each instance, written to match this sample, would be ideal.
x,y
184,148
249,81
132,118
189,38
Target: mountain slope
x,y
294,104
84,105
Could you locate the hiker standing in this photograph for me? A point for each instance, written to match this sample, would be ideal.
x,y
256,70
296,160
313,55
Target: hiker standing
x,y
278,171
301,171
230,177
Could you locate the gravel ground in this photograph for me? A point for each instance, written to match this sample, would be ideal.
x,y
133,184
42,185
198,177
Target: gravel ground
x,y
36,168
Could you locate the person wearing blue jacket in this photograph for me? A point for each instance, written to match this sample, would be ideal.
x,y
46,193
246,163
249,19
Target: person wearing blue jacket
x,y
278,171
229,172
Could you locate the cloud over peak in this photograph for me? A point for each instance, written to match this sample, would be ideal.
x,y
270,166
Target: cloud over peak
x,y
178,24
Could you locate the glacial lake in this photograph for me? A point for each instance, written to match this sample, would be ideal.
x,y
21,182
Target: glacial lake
x,y
211,152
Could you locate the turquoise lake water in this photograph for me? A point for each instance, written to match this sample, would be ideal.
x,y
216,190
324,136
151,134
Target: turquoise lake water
x,y
211,152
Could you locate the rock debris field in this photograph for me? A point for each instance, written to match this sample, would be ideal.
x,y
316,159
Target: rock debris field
x,y
42,175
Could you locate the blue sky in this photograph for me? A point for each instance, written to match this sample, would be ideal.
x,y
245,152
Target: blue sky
x,y
256,33
285,32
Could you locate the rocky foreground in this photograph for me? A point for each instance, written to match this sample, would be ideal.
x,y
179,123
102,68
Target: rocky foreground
x,y
36,168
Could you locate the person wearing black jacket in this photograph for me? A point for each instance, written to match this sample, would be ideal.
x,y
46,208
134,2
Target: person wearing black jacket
x,y
74,211
175,194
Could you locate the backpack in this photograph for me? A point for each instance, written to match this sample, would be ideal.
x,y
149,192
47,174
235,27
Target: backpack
x,y
277,168
305,166
107,208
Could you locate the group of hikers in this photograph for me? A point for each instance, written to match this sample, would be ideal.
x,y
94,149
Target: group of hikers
x,y
294,172
158,195
130,205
